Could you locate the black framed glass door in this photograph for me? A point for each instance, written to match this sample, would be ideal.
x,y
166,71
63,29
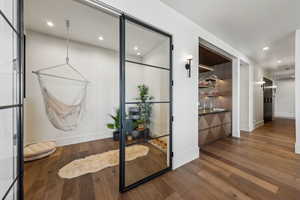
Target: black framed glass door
x,y
11,101
145,102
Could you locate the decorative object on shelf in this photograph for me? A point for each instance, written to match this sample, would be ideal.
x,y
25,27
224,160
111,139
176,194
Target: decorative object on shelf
x,y
135,134
204,68
116,124
188,65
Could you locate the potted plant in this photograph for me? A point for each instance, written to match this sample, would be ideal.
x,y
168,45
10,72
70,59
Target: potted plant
x,y
145,108
115,125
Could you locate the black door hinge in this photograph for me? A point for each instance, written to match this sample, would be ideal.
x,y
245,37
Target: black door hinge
x,y
172,47
172,118
172,82
172,154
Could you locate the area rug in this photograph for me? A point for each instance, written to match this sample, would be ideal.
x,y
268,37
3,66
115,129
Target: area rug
x,y
160,143
97,162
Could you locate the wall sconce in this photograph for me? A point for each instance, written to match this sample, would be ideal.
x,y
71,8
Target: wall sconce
x,y
261,83
188,65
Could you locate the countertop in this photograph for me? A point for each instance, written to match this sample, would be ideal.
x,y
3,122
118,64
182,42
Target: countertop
x,y
207,112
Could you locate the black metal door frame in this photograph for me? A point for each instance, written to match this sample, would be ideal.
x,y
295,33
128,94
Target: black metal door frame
x,y
19,31
123,19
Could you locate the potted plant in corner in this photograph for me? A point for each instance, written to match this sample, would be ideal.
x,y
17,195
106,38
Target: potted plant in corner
x,y
115,125
145,109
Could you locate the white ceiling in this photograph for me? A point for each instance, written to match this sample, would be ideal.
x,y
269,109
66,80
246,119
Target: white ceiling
x,y
87,24
248,25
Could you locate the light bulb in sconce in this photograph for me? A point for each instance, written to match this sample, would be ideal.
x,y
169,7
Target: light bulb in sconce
x,y
189,59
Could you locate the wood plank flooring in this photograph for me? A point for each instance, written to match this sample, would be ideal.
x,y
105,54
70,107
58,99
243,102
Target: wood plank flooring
x,y
258,166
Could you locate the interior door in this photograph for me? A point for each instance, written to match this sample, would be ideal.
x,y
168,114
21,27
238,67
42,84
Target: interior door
x,y
268,101
146,102
11,101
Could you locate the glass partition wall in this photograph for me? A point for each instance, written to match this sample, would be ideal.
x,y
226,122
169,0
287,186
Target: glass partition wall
x,y
11,101
146,102
135,57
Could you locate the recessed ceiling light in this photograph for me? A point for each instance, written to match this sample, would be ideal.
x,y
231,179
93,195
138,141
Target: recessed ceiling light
x,y
136,48
50,24
100,38
266,48
138,54
279,61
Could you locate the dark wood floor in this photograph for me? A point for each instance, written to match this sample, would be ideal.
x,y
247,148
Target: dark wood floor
x,y
258,166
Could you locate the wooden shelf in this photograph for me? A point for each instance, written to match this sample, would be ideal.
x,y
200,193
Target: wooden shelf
x,y
202,86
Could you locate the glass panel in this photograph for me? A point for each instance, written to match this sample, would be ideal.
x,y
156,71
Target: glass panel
x,y
7,148
12,194
157,81
149,161
8,64
9,8
146,46
146,130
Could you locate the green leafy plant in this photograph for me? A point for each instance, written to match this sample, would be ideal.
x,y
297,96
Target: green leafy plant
x,y
145,107
116,124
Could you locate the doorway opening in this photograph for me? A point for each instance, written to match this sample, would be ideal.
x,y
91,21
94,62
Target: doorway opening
x,y
277,102
215,94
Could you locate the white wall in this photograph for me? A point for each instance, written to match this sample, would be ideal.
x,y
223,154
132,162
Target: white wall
x,y
297,90
185,35
236,66
285,99
258,104
100,66
244,97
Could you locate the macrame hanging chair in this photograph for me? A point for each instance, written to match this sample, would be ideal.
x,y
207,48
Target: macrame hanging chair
x,y
63,116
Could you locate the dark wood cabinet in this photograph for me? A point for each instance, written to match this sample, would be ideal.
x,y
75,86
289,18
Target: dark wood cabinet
x,y
213,127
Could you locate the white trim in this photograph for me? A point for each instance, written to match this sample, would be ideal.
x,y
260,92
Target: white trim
x,y
185,156
252,127
81,138
259,124
236,65
297,89
244,127
297,148
284,115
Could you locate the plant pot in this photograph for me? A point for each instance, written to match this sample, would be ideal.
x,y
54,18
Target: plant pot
x,y
116,135
141,127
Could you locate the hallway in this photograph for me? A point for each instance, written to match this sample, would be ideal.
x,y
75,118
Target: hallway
x,y
260,165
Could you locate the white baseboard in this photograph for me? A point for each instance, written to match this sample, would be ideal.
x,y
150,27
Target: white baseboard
x,y
252,127
284,115
244,127
81,138
185,156
259,124
297,148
